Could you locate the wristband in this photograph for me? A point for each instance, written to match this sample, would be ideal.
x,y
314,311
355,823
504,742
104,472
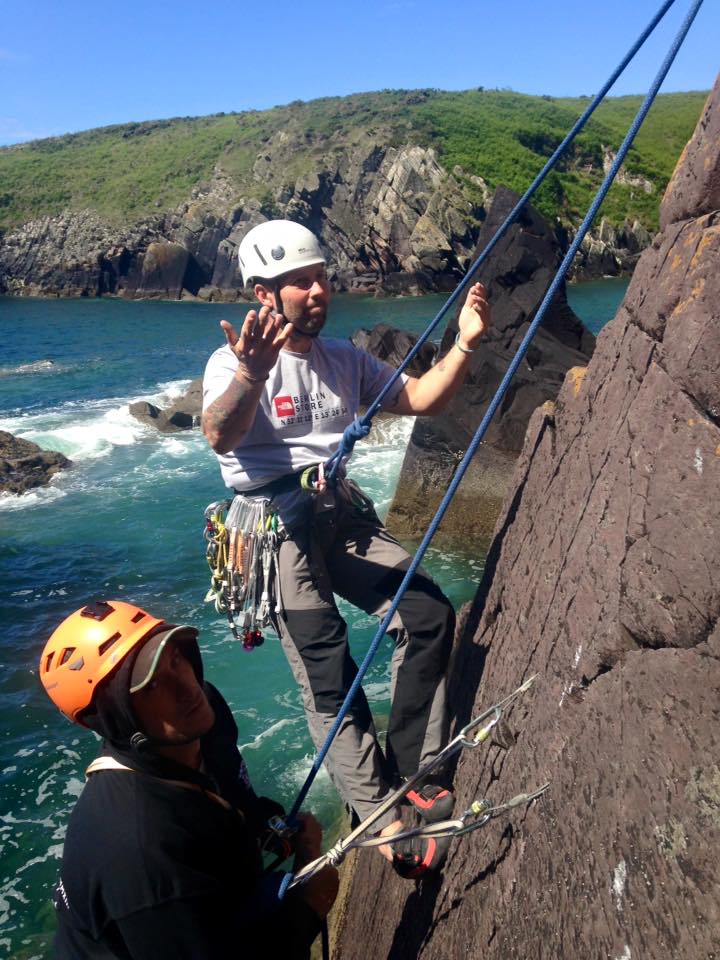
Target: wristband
x,y
460,347
246,376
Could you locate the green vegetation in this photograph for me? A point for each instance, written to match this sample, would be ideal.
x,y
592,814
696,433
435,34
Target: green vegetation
x,y
132,171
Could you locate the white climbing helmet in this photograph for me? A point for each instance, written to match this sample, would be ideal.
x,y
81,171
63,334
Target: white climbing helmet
x,y
276,247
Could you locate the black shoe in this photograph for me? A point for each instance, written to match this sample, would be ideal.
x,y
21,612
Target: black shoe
x,y
415,858
432,802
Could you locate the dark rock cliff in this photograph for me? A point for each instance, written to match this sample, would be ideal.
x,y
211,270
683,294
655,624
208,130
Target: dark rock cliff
x,y
24,465
603,577
517,275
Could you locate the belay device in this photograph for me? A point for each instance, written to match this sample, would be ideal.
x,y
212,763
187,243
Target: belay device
x,y
242,541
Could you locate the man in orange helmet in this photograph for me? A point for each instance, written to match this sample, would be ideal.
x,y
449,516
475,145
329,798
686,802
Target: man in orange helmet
x,y
162,855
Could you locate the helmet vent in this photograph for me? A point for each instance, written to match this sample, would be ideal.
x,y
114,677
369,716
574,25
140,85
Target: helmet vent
x,y
48,661
106,644
97,610
65,655
257,251
140,615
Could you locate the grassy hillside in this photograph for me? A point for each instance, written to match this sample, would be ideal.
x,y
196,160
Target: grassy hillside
x,y
131,171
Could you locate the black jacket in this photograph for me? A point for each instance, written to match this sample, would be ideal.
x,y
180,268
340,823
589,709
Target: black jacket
x,y
153,870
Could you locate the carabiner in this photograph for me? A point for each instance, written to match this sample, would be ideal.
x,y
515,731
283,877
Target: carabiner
x,y
313,479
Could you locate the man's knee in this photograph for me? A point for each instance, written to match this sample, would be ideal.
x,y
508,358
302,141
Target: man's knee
x,y
429,618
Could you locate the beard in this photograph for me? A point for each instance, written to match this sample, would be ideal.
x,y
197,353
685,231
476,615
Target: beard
x,y
309,322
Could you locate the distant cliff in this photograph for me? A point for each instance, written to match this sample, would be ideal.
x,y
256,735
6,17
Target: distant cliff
x,y
516,274
397,184
604,578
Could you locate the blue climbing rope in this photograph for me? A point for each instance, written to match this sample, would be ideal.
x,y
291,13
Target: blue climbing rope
x,y
494,404
356,431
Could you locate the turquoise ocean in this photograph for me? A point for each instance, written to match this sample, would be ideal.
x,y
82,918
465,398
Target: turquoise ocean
x,y
127,522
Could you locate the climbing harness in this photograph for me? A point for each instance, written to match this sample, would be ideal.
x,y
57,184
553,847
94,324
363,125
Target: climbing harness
x,y
243,536
480,812
361,427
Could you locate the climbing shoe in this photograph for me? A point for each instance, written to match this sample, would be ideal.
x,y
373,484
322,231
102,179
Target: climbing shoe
x,y
432,802
415,858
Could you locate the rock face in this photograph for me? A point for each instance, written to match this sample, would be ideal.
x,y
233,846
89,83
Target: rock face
x,y
392,220
183,414
604,577
608,251
24,465
516,274
392,345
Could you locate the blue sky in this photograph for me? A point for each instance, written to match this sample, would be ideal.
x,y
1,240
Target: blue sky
x,y
68,65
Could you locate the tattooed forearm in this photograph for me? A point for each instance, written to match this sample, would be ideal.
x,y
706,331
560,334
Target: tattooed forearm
x,y
228,418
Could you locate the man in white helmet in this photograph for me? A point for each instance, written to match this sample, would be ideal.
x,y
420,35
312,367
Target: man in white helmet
x,y
276,400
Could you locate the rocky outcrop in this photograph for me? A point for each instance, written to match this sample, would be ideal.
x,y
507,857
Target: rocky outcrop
x,y
73,255
604,578
392,345
182,414
392,219
24,465
609,251
517,275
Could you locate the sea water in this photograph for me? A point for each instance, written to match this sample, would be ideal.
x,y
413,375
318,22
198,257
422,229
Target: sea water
x,y
127,522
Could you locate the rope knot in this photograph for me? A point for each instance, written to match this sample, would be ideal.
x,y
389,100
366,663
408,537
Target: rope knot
x,y
335,855
357,430
352,433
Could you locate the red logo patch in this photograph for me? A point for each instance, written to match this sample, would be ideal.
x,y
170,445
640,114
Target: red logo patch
x,y
284,407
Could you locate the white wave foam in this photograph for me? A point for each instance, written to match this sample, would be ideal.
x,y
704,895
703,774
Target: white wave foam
x,y
35,366
272,729
295,774
54,851
74,787
387,431
171,390
11,501
377,691
89,430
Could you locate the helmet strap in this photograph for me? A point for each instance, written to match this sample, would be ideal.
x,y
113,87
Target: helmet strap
x,y
278,297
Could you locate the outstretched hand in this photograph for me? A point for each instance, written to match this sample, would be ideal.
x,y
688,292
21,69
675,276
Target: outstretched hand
x,y
474,319
259,342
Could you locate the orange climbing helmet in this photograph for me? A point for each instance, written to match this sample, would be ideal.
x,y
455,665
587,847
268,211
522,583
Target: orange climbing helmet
x,y
87,647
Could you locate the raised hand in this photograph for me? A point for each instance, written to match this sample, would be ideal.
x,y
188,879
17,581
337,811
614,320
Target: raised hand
x,y
259,342
474,319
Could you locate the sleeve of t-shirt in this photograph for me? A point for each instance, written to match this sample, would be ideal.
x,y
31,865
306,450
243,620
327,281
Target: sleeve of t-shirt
x,y
216,928
219,371
374,375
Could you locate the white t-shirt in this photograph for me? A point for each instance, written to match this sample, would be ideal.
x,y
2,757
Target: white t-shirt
x,y
308,401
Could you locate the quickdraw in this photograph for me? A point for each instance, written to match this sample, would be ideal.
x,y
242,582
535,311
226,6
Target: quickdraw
x,y
242,540
480,812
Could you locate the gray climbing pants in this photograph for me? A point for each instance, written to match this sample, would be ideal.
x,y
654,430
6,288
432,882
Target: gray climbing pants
x,y
345,550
